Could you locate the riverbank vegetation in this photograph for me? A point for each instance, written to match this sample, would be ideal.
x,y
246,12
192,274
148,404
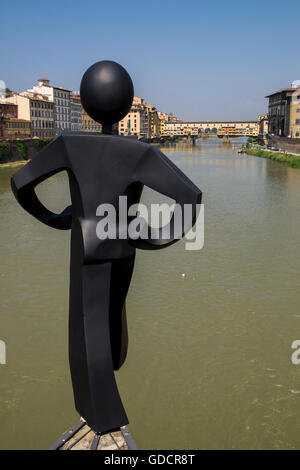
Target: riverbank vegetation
x,y
287,158
42,142
4,149
21,149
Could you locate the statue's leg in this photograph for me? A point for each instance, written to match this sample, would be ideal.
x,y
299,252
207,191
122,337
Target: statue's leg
x,y
95,390
120,280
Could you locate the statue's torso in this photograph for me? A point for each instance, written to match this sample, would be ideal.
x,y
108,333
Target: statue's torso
x,y
101,169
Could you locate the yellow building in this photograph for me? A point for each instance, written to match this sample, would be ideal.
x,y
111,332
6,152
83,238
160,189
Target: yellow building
x,y
154,123
142,121
135,123
88,124
162,120
15,128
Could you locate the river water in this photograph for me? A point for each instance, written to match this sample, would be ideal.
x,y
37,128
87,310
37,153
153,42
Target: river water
x,y
209,363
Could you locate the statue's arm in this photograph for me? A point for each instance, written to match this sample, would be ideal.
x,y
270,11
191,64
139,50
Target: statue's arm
x,y
52,159
157,172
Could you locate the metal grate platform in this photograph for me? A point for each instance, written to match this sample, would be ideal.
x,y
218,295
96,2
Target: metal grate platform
x,y
82,437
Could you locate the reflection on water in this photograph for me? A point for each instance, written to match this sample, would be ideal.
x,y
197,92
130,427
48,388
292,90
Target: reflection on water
x,y
209,357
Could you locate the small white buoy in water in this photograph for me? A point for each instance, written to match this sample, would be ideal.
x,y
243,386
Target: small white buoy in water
x,y
183,275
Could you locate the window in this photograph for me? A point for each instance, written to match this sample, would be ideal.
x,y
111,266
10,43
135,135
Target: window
x,y
297,121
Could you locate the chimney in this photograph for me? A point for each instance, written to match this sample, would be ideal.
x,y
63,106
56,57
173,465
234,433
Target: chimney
x,y
44,82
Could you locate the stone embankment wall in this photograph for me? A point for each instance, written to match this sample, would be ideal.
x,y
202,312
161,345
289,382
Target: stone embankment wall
x,y
20,149
285,144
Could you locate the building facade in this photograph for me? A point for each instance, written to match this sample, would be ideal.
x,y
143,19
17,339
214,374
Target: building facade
x,y
263,123
76,113
142,121
37,109
8,111
62,110
61,98
88,124
163,118
13,128
284,112
135,123
154,122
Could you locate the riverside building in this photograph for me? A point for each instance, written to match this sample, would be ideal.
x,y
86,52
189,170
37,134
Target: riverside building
x,y
37,109
142,121
284,111
8,111
61,98
76,113
13,128
88,124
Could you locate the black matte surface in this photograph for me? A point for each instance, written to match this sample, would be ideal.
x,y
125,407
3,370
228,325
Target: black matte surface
x,y
100,168
106,92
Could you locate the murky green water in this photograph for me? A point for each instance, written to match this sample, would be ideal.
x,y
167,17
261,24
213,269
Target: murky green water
x,y
209,358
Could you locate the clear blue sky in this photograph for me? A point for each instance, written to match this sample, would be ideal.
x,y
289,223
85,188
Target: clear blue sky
x,y
200,60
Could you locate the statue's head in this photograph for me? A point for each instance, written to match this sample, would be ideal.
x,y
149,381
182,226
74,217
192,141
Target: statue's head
x,y
106,92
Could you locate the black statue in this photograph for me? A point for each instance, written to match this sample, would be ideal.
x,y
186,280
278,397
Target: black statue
x,y
101,167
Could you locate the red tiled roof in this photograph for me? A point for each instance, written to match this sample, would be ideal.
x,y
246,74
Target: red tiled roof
x,y
33,98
